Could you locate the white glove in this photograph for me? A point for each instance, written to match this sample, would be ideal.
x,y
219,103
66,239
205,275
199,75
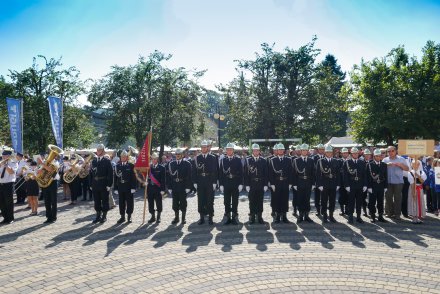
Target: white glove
x,y
347,188
290,187
186,191
295,188
264,188
248,188
321,188
222,189
337,188
162,193
313,187
195,186
273,187
116,192
364,189
108,188
132,191
240,188
385,190
370,190
213,186
170,191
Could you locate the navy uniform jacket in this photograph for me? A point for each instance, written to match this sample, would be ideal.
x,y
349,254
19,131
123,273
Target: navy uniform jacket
x,y
231,171
125,179
280,171
377,175
101,174
303,172
205,170
328,173
354,173
255,171
158,172
179,175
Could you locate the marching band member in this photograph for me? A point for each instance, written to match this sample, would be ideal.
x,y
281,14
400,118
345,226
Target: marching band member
x,y
377,181
231,183
74,186
280,177
205,174
21,191
303,182
31,186
64,167
328,172
256,182
179,184
102,181
156,188
8,169
125,187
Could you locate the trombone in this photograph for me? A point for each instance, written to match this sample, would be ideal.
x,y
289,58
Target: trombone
x,y
27,177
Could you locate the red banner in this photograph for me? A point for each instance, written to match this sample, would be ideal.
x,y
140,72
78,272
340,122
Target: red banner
x,y
143,161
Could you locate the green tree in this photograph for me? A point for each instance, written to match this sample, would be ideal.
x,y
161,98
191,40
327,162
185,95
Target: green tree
x,y
49,78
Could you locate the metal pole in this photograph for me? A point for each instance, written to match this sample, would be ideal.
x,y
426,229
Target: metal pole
x,y
22,130
219,136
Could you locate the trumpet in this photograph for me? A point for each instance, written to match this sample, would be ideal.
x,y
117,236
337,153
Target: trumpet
x,y
27,177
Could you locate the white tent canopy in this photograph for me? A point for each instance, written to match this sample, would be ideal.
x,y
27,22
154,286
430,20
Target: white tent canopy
x,y
339,142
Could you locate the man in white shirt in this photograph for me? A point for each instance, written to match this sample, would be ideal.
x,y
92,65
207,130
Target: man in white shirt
x,y
8,168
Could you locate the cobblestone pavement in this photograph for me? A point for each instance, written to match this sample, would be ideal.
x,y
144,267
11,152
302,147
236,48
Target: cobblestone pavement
x,y
75,256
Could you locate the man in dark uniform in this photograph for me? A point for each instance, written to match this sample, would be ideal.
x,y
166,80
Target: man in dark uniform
x,y
156,188
303,182
316,157
125,186
367,158
268,160
102,181
343,194
328,172
205,174
179,184
377,181
8,169
280,177
231,183
256,179
355,184
292,156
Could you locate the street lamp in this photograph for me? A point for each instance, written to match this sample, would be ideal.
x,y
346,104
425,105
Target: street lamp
x,y
220,117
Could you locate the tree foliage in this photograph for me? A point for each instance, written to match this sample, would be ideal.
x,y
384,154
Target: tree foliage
x,y
396,97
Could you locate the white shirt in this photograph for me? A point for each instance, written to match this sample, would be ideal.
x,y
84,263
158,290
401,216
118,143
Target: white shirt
x,y
20,166
8,178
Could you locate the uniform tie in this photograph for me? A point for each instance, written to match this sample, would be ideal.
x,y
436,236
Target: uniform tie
x,y
3,172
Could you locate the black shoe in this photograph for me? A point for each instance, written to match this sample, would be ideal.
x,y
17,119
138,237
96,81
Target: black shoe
x,y
332,219
228,221
175,220
359,220
183,218
158,218
381,219
278,218
350,219
318,214
48,221
129,219
121,220
152,219
97,218
252,220
104,217
201,220
210,221
234,220
295,214
299,220
324,219
260,219
285,219
307,218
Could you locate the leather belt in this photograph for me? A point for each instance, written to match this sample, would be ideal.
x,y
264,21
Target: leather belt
x,y
329,176
281,178
99,178
177,180
204,174
303,177
256,179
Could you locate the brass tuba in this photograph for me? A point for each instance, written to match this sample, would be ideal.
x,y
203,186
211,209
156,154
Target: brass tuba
x,y
73,172
44,177
132,152
85,168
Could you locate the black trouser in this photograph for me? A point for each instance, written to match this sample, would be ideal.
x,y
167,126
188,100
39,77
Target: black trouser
x,y
179,200
364,200
50,200
256,197
126,200
205,198
101,200
429,199
303,197
21,192
7,201
343,196
405,196
328,200
230,198
75,189
355,197
154,197
376,198
281,197
295,200
85,189
435,199
318,200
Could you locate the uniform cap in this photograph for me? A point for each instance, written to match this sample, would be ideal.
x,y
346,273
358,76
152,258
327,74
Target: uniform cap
x,y
100,147
230,145
368,152
280,146
328,148
204,143
344,150
124,153
179,151
255,147
354,150
377,152
304,147
320,146
154,155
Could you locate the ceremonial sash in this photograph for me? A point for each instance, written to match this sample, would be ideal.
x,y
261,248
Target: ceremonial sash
x,y
154,180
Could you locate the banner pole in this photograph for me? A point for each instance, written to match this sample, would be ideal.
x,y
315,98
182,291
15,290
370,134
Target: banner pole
x,y
145,195
22,130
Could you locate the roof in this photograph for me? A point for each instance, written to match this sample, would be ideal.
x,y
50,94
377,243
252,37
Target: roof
x,y
339,142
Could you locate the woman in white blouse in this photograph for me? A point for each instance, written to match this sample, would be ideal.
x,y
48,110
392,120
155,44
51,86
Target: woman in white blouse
x,y
416,199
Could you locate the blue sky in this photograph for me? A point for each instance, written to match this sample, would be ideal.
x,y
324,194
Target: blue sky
x,y
95,34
